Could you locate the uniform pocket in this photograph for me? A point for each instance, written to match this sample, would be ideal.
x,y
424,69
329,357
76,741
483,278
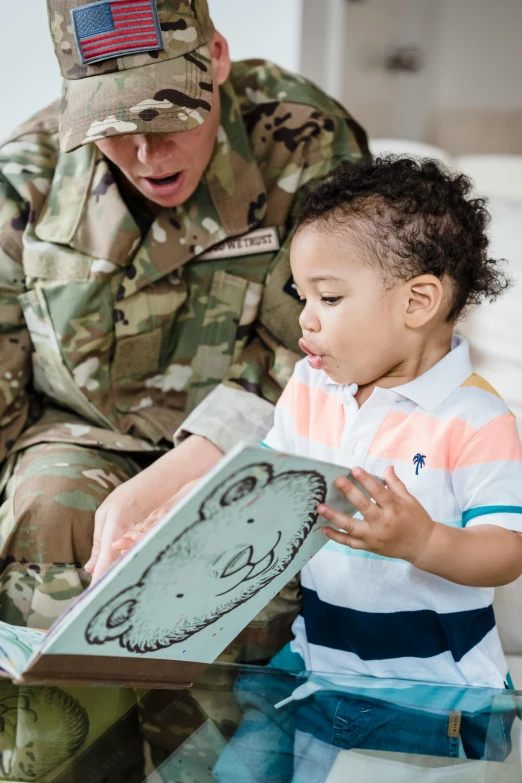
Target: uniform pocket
x,y
218,334
143,324
50,374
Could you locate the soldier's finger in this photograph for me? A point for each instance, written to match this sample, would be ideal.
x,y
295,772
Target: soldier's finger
x,y
106,556
99,521
122,545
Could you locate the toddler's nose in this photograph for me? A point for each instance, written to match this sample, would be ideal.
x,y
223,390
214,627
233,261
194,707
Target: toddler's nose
x,y
308,321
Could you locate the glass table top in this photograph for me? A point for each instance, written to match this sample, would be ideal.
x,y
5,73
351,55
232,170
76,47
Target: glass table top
x,y
247,724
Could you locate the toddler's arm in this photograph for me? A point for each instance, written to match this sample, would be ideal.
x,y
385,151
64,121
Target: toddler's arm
x,y
396,525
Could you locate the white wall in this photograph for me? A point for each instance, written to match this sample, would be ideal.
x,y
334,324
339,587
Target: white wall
x,y
30,77
479,62
29,74
270,29
467,97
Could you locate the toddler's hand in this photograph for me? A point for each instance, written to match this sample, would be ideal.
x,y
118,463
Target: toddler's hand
x,y
395,525
138,531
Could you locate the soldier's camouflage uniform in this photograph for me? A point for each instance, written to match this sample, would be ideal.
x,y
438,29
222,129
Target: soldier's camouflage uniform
x,y
117,329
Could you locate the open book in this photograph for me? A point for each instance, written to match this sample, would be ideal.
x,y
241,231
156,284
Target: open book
x,y
177,599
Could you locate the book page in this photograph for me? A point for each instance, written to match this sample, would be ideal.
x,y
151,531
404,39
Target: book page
x,y
210,565
17,646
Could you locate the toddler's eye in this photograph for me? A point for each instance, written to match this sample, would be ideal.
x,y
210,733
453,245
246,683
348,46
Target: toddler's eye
x,y
330,299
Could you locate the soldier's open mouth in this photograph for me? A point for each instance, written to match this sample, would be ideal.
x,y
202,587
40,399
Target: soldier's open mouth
x,y
164,180
164,187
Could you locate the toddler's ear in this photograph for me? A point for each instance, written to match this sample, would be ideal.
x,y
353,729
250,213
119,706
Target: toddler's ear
x,y
425,298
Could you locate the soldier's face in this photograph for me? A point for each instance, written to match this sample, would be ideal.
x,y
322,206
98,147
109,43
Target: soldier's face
x,y
167,167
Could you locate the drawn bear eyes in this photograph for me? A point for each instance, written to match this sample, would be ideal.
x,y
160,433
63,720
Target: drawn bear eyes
x,y
250,521
239,490
180,595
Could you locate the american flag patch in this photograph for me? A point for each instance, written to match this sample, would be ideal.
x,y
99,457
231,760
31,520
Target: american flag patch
x,y
113,28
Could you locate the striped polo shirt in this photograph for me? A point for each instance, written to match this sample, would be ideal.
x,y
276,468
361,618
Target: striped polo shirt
x,y
455,445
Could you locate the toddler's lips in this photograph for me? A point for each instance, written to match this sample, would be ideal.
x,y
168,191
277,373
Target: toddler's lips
x,y
314,360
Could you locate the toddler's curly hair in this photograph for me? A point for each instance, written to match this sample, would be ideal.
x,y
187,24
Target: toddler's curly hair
x,y
416,218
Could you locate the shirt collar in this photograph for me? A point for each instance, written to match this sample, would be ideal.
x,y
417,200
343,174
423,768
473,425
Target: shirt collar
x,y
431,389
435,386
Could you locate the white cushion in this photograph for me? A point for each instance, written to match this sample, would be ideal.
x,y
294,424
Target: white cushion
x,y
494,330
494,175
416,149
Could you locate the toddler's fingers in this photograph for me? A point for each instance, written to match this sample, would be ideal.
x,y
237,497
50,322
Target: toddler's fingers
x,y
343,538
394,483
354,527
361,502
374,488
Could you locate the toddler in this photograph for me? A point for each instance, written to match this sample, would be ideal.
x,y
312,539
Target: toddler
x,y
386,257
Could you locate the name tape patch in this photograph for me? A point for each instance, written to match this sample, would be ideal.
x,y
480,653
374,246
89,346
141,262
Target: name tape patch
x,y
261,240
113,28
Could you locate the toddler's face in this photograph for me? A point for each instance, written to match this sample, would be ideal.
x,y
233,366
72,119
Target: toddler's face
x,y
353,325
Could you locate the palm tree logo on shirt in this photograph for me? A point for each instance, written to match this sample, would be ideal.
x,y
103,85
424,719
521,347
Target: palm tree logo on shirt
x,y
419,461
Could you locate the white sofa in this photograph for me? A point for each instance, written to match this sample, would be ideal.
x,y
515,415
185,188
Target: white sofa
x,y
494,330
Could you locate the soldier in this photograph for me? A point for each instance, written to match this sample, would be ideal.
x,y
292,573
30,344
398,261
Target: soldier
x,y
145,222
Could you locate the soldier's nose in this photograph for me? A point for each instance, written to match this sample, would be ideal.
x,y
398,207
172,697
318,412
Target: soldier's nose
x,y
153,147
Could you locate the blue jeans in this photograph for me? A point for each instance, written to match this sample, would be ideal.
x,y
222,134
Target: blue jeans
x,y
307,734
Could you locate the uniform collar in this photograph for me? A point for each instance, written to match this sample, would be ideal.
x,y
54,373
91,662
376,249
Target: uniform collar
x,y
85,210
431,389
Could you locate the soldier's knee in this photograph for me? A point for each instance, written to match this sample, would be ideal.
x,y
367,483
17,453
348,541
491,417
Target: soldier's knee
x,y
53,499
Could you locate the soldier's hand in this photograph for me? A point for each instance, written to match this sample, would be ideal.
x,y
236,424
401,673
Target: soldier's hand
x,y
132,502
138,531
122,509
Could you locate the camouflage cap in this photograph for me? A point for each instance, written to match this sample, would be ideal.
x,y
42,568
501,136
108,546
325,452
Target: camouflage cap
x,y
131,66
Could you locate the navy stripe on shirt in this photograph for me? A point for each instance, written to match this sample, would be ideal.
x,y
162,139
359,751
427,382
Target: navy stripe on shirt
x,y
377,636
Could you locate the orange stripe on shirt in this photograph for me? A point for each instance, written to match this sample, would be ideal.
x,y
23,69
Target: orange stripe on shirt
x,y
401,436
317,415
495,442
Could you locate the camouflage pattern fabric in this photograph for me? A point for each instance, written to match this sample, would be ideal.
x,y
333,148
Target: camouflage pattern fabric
x,y
173,95
46,527
112,335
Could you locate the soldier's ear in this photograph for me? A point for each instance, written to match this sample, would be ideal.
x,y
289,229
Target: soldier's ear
x,y
220,56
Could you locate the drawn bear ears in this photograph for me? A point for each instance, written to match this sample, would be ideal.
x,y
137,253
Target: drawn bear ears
x,y
249,479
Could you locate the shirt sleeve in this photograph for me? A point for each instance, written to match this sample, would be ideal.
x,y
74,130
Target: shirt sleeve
x,y
487,477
